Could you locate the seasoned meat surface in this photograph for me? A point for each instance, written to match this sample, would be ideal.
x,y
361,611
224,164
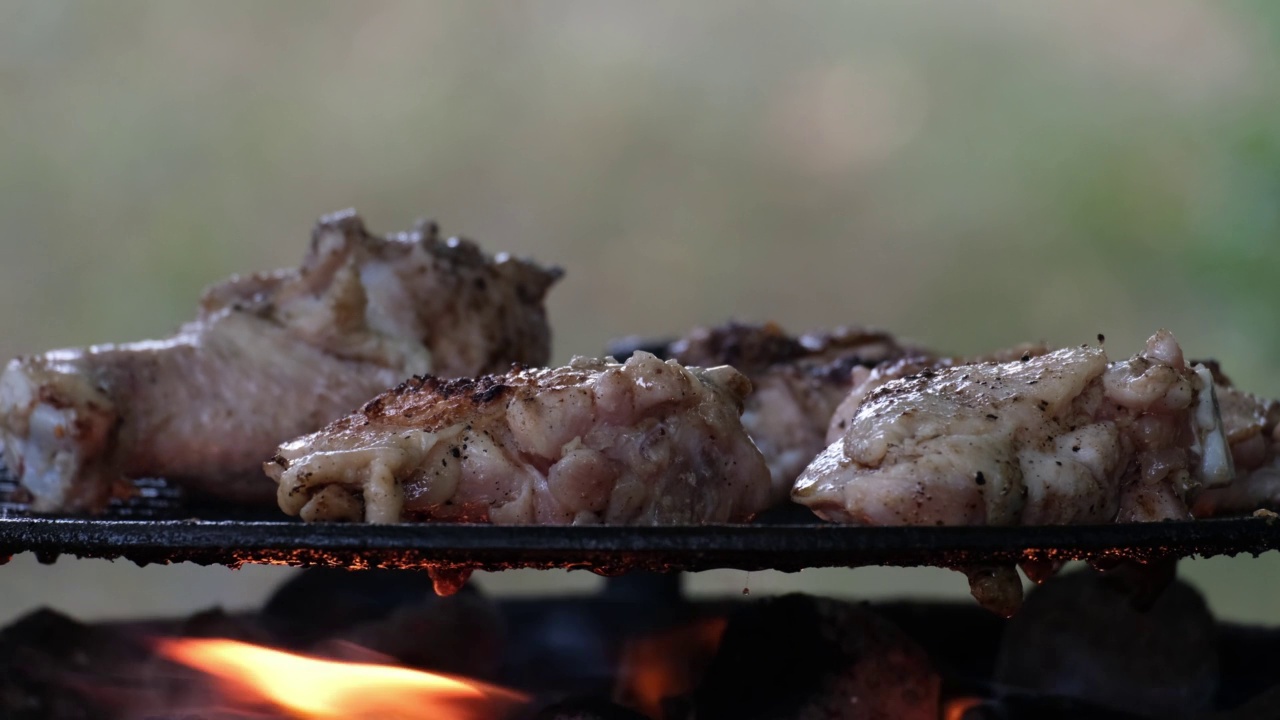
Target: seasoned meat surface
x,y
643,442
268,357
1060,438
798,383
913,362
1252,428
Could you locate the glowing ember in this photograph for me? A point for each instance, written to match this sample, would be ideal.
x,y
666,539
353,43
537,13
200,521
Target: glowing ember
x,y
956,709
668,665
311,688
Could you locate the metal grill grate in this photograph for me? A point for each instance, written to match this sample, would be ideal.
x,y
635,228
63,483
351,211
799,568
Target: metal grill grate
x,y
160,526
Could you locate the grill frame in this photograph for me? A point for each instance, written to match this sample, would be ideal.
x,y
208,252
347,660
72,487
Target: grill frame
x,y
615,550
160,524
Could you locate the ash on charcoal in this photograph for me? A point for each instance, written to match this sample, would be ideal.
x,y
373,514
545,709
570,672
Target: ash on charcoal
x,y
1081,636
797,657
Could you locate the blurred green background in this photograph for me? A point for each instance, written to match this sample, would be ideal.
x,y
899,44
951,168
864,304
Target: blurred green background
x,y
969,175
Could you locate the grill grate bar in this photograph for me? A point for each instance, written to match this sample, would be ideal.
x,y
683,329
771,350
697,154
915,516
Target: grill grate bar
x,y
610,550
159,526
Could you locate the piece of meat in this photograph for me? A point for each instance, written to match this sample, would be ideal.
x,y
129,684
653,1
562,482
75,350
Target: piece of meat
x,y
269,357
1061,438
1252,428
798,383
865,379
641,442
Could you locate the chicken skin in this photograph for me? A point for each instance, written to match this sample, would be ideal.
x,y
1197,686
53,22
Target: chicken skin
x,y
268,357
1062,438
644,442
798,381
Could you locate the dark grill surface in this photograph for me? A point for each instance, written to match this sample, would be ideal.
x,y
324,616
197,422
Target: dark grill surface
x,y
159,527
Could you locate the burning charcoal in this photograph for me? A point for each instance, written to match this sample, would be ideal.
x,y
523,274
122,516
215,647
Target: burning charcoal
x,y
1143,582
215,622
961,638
1260,707
1041,707
660,590
54,668
571,647
799,657
587,709
1081,636
460,635
1250,663
390,613
657,667
565,647
317,603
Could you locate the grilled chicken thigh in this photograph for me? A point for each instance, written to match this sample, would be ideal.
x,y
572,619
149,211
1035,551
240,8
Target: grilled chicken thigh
x,y
798,383
268,357
644,442
1064,437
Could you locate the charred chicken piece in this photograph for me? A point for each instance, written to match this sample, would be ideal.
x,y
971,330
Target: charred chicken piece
x,y
1064,437
644,442
268,357
798,383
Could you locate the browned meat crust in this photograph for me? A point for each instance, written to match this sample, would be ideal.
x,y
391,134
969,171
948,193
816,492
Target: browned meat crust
x,y
641,442
1057,437
799,381
269,357
1065,437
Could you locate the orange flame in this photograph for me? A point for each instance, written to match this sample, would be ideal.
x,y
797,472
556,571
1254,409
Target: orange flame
x,y
955,709
311,688
667,665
